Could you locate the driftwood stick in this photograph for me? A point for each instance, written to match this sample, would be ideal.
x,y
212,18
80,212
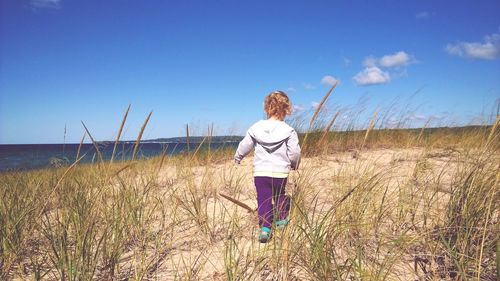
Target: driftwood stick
x,y
237,202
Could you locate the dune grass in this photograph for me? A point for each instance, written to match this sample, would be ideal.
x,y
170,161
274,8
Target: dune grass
x,y
373,204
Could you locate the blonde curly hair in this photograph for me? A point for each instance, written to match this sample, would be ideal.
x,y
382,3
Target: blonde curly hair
x,y
278,105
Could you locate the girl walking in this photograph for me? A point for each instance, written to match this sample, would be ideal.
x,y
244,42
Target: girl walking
x,y
277,151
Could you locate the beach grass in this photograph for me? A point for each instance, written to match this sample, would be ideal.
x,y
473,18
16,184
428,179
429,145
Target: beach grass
x,y
368,204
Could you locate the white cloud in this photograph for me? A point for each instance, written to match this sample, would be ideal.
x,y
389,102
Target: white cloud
x,y
291,89
417,117
314,105
52,4
392,122
329,80
489,49
297,108
422,15
398,59
371,76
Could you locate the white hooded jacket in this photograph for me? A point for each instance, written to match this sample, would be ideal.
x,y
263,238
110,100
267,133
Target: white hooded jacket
x,y
276,146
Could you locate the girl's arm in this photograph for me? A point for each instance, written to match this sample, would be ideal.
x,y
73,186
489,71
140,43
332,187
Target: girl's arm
x,y
246,145
293,150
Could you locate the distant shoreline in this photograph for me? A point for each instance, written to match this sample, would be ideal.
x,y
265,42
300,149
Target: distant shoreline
x,y
39,156
173,140
235,138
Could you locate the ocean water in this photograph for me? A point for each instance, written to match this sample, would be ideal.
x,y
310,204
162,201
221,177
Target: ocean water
x,y
35,156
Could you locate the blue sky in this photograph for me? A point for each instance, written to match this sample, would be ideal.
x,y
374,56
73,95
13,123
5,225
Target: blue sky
x,y
202,62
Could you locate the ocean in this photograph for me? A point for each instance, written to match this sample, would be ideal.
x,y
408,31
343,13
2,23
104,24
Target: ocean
x,y
36,156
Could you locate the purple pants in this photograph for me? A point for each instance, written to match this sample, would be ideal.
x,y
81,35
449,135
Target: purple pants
x,y
271,199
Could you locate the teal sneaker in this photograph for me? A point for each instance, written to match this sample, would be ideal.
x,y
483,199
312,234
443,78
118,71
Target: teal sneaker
x,y
282,223
265,234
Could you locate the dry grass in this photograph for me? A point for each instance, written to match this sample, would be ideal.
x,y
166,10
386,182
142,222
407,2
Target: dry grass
x,y
366,205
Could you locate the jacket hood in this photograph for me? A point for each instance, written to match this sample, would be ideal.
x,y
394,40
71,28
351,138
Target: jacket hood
x,y
270,134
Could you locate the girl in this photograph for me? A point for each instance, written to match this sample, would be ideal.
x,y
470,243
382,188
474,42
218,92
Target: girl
x,y
277,151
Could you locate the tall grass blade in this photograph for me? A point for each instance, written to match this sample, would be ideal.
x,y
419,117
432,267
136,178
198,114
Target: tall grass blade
x,y
80,145
327,129
315,115
94,143
493,130
187,137
66,172
200,145
64,142
370,126
139,137
420,135
210,135
119,134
